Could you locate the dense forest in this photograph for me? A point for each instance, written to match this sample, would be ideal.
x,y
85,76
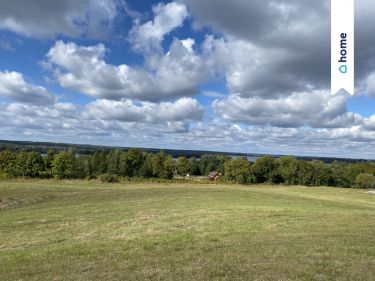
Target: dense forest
x,y
112,166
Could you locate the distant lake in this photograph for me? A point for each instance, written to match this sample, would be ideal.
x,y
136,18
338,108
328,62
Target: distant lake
x,y
252,158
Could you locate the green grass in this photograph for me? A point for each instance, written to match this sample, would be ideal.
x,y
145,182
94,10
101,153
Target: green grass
x,y
90,231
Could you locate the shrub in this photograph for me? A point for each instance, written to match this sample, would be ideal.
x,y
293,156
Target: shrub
x,y
109,178
44,175
365,181
90,177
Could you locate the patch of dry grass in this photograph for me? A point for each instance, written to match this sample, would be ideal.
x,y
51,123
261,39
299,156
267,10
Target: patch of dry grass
x,y
76,230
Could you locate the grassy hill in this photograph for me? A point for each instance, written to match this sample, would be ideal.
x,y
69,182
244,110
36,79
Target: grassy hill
x,y
90,231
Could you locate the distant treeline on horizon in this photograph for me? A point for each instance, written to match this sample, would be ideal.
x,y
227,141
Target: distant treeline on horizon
x,y
115,165
85,149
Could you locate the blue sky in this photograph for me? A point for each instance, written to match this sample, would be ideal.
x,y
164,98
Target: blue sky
x,y
243,76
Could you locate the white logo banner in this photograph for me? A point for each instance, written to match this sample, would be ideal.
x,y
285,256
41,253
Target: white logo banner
x,y
342,46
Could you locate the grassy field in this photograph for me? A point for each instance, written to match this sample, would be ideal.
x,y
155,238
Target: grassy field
x,y
91,231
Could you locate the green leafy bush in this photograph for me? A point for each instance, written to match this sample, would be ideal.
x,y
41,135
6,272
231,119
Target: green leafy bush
x,y
365,181
109,178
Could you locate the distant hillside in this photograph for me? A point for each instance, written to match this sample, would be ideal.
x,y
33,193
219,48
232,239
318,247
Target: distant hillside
x,y
86,149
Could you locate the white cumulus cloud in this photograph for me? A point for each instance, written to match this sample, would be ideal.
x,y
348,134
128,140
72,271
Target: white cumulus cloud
x,y
317,109
14,86
83,69
184,109
45,19
148,36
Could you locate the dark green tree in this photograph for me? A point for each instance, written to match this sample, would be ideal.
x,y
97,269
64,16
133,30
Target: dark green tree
x,y
305,173
264,169
194,168
8,164
48,159
158,164
322,174
182,166
169,167
163,166
99,164
21,163
131,162
81,167
209,163
288,170
353,171
238,171
146,170
114,162
34,164
64,165
339,173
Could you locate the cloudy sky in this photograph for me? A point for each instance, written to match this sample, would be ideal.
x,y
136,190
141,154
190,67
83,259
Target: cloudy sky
x,y
239,75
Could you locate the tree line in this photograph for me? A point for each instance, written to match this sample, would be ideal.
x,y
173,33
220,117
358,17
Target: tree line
x,y
114,165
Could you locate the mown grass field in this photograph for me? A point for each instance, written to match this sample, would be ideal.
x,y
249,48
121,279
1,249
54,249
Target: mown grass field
x,y
90,231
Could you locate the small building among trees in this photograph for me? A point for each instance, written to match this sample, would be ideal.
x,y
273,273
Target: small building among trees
x,y
214,176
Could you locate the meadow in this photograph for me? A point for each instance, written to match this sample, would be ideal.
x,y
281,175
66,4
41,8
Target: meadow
x,y
80,230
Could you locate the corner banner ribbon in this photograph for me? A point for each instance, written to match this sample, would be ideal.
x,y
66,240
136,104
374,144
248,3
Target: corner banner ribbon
x,y
342,46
